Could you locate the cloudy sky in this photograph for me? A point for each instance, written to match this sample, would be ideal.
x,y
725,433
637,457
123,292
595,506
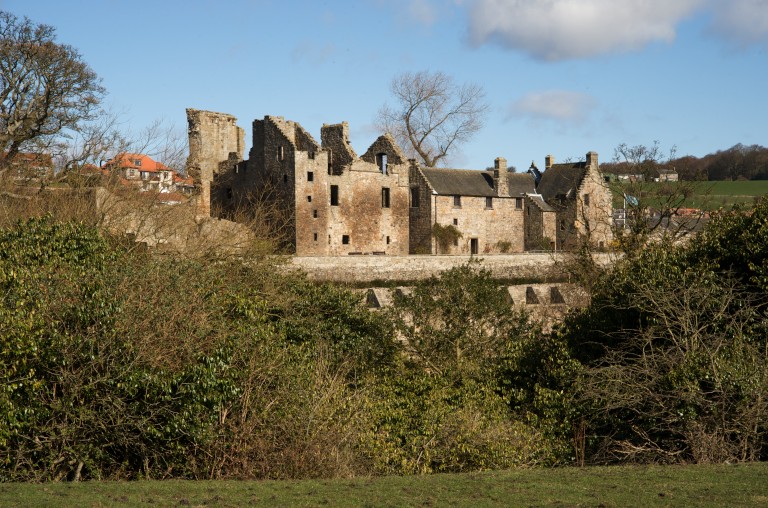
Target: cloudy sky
x,y
561,76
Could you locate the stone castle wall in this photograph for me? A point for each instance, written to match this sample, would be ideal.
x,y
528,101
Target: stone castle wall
x,y
364,269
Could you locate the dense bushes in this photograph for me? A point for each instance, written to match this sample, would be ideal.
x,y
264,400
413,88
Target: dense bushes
x,y
675,349
115,363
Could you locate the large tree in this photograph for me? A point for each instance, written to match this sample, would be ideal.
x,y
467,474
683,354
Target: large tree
x,y
432,115
47,89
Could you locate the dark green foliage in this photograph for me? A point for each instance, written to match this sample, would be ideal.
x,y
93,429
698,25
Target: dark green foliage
x,y
461,321
77,399
332,318
674,342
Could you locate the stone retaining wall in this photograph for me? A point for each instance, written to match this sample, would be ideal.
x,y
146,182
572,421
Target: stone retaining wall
x,y
541,266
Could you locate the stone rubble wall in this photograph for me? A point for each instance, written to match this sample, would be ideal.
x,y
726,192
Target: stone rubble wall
x,y
363,269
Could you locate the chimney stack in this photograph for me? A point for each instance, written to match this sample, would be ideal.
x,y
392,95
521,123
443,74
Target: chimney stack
x,y
592,160
548,161
500,176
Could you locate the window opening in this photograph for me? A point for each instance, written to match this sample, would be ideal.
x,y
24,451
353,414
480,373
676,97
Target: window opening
x,y
310,176
414,197
381,161
334,195
457,201
345,239
385,197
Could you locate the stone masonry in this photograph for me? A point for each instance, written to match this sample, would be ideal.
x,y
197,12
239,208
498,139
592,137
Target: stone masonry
x,y
334,202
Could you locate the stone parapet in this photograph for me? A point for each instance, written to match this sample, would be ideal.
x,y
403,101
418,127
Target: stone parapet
x,y
369,268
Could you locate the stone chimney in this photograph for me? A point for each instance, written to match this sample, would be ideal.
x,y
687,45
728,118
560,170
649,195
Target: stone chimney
x,y
548,161
592,160
500,176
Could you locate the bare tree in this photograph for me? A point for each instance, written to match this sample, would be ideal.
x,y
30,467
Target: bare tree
x,y
46,87
432,115
652,209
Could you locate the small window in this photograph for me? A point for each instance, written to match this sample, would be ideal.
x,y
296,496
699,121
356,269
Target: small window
x,y
381,161
562,225
385,197
311,155
457,201
310,176
315,236
345,239
314,213
488,202
285,178
586,199
330,161
474,246
280,153
519,203
309,199
455,222
334,195
414,197
529,210
387,240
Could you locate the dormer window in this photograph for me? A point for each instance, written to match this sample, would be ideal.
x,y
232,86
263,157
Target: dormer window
x,y
136,162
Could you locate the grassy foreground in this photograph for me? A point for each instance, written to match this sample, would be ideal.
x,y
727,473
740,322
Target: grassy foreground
x,y
721,485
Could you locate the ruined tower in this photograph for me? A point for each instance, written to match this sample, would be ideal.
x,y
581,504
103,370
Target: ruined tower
x,y
215,142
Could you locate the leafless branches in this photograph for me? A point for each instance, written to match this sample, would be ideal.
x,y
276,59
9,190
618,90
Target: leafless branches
x,y
432,115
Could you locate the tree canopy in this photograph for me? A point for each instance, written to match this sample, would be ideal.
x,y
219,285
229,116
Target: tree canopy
x,y
46,87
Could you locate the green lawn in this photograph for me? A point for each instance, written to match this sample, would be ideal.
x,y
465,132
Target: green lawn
x,y
647,486
708,195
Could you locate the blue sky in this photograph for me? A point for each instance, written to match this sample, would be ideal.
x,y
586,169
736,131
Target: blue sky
x,y
561,76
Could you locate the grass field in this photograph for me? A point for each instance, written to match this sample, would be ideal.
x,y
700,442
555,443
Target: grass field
x,y
712,195
646,486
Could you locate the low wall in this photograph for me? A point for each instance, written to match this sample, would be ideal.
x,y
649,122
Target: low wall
x,y
540,266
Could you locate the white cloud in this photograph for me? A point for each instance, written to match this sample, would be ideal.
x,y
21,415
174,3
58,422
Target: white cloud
x,y
566,29
744,22
561,106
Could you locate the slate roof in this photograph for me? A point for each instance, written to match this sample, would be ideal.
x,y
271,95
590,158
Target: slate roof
x,y
470,182
539,202
560,179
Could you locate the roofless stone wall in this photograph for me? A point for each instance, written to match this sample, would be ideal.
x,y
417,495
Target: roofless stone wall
x,y
213,139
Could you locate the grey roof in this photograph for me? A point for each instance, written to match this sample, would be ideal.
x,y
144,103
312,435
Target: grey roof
x,y
560,179
470,182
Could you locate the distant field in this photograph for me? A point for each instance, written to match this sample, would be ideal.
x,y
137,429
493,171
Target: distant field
x,y
647,486
712,195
